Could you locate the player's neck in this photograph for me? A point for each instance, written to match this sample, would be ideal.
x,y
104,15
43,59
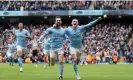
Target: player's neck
x,y
57,27
75,27
20,29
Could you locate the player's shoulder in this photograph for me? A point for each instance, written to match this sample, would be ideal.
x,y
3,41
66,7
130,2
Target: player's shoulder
x,y
25,30
48,29
68,28
16,30
80,27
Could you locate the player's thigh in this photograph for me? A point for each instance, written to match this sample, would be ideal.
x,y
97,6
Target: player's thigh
x,y
8,54
24,50
12,55
45,52
19,50
79,52
74,56
73,51
60,54
52,53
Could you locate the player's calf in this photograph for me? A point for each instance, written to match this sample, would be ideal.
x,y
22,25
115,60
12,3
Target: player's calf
x,y
61,68
20,61
52,61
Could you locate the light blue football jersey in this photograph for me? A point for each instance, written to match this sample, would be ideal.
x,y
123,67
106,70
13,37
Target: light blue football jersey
x,y
75,35
57,36
20,39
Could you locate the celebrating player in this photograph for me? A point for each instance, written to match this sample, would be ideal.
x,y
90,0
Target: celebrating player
x,y
46,49
11,51
56,43
21,42
83,59
74,34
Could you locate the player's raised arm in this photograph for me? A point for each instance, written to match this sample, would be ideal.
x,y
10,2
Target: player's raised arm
x,y
91,23
44,35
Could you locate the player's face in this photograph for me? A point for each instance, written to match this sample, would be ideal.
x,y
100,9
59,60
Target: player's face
x,y
74,22
20,25
58,22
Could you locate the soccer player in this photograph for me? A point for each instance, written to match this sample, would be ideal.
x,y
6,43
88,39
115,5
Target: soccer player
x,y
83,59
46,49
21,42
35,48
74,34
11,51
56,43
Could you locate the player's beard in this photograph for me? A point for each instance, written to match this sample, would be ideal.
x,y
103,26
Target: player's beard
x,y
58,25
75,26
21,28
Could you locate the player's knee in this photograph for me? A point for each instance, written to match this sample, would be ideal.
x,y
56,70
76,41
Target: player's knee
x,y
61,62
75,60
52,64
52,61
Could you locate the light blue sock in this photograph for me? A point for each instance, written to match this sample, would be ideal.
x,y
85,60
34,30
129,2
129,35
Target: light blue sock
x,y
75,67
20,62
61,70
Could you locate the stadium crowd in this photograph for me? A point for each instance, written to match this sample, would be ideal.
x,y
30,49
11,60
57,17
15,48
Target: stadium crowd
x,y
64,5
44,5
113,5
103,40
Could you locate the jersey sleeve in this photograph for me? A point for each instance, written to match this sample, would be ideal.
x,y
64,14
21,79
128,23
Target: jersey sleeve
x,y
89,25
27,33
48,31
66,35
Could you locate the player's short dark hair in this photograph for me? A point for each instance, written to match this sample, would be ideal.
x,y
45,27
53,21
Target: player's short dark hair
x,y
57,17
20,22
75,19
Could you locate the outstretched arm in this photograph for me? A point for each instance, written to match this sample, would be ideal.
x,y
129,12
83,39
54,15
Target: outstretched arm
x,y
44,35
91,23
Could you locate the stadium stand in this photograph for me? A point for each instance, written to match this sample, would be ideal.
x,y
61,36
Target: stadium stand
x,y
43,5
113,5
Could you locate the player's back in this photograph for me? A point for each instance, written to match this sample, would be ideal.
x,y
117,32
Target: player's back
x,y
56,37
20,37
75,36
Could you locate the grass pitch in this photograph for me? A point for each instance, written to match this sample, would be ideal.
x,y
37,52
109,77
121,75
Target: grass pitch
x,y
89,72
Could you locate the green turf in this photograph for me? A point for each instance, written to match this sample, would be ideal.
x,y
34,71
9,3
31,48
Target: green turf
x,y
90,72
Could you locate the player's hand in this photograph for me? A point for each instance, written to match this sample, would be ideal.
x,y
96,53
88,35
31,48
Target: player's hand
x,y
28,37
99,18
